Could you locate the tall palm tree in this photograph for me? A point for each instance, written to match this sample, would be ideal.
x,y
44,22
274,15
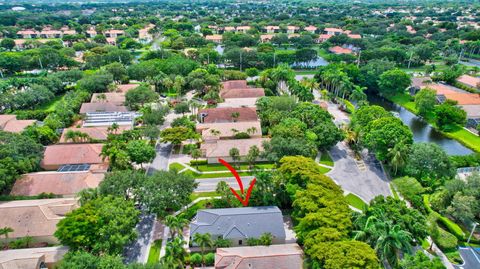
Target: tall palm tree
x,y
252,130
204,241
113,128
398,156
393,240
196,153
358,94
5,231
175,254
176,225
215,132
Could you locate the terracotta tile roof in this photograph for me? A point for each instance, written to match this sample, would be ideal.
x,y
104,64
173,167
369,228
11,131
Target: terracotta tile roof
x,y
232,84
283,256
354,36
464,98
292,27
221,148
96,133
266,37
57,155
214,37
243,27
473,111
229,28
101,107
335,30
440,88
340,50
272,27
225,114
61,183
225,129
124,88
34,217
470,81
310,28
31,257
117,98
9,123
421,82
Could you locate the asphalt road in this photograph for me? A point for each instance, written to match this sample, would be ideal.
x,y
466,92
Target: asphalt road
x,y
470,257
210,184
366,182
137,251
161,159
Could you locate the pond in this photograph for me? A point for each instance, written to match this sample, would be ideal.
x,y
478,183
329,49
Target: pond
x,y
422,131
319,61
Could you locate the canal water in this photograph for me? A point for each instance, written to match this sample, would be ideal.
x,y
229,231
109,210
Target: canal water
x,y
422,131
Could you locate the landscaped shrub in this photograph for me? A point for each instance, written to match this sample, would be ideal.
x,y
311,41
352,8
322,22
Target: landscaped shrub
x,y
446,240
242,135
210,259
411,190
446,222
198,162
196,259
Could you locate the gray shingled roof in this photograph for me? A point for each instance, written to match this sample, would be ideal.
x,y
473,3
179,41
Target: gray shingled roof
x,y
245,222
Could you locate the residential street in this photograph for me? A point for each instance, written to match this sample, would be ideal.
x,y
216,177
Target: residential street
x,y
210,184
470,257
161,159
138,250
365,179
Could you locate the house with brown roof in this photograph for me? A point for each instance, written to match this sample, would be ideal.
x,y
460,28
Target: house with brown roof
x,y
340,50
58,155
469,81
117,98
236,93
214,38
9,123
95,133
287,256
28,33
332,31
243,29
323,37
101,107
291,29
67,184
228,130
311,29
272,29
113,33
227,114
124,88
266,38
32,258
35,218
215,149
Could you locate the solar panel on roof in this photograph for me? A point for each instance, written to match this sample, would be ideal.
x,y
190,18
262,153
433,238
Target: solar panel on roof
x,y
74,168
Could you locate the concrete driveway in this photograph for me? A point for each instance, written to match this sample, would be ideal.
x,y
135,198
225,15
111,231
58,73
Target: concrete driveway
x,y
161,159
365,179
137,251
210,184
471,258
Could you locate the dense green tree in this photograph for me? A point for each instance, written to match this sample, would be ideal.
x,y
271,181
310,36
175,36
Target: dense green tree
x,y
121,183
425,101
85,260
393,81
422,165
97,82
7,43
447,115
140,152
177,135
138,97
420,261
103,225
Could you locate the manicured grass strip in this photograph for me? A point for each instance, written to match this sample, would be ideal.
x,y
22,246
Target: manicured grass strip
x,y
154,252
454,256
50,106
217,175
395,194
355,201
450,225
466,138
324,170
220,167
176,166
326,159
196,195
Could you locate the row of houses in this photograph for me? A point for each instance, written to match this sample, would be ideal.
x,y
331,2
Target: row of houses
x,y
469,102
236,114
68,167
272,29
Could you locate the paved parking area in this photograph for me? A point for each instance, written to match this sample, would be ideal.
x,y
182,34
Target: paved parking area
x,y
365,179
471,258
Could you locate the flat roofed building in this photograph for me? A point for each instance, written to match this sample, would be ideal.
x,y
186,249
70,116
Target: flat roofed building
x,y
99,133
227,130
101,107
213,150
228,114
287,256
9,123
469,81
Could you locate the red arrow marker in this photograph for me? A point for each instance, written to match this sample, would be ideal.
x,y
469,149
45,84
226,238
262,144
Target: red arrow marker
x,y
240,184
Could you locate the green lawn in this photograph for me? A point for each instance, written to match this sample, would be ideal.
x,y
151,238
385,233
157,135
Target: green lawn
x,y
326,159
306,72
355,201
221,167
324,170
154,252
176,166
196,195
50,106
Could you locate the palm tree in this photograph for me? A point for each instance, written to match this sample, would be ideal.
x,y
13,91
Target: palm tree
x,y
176,225
235,116
252,130
398,156
175,254
392,241
234,131
178,84
167,83
71,135
5,231
215,132
101,97
234,154
113,128
252,155
196,153
222,243
358,94
203,241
